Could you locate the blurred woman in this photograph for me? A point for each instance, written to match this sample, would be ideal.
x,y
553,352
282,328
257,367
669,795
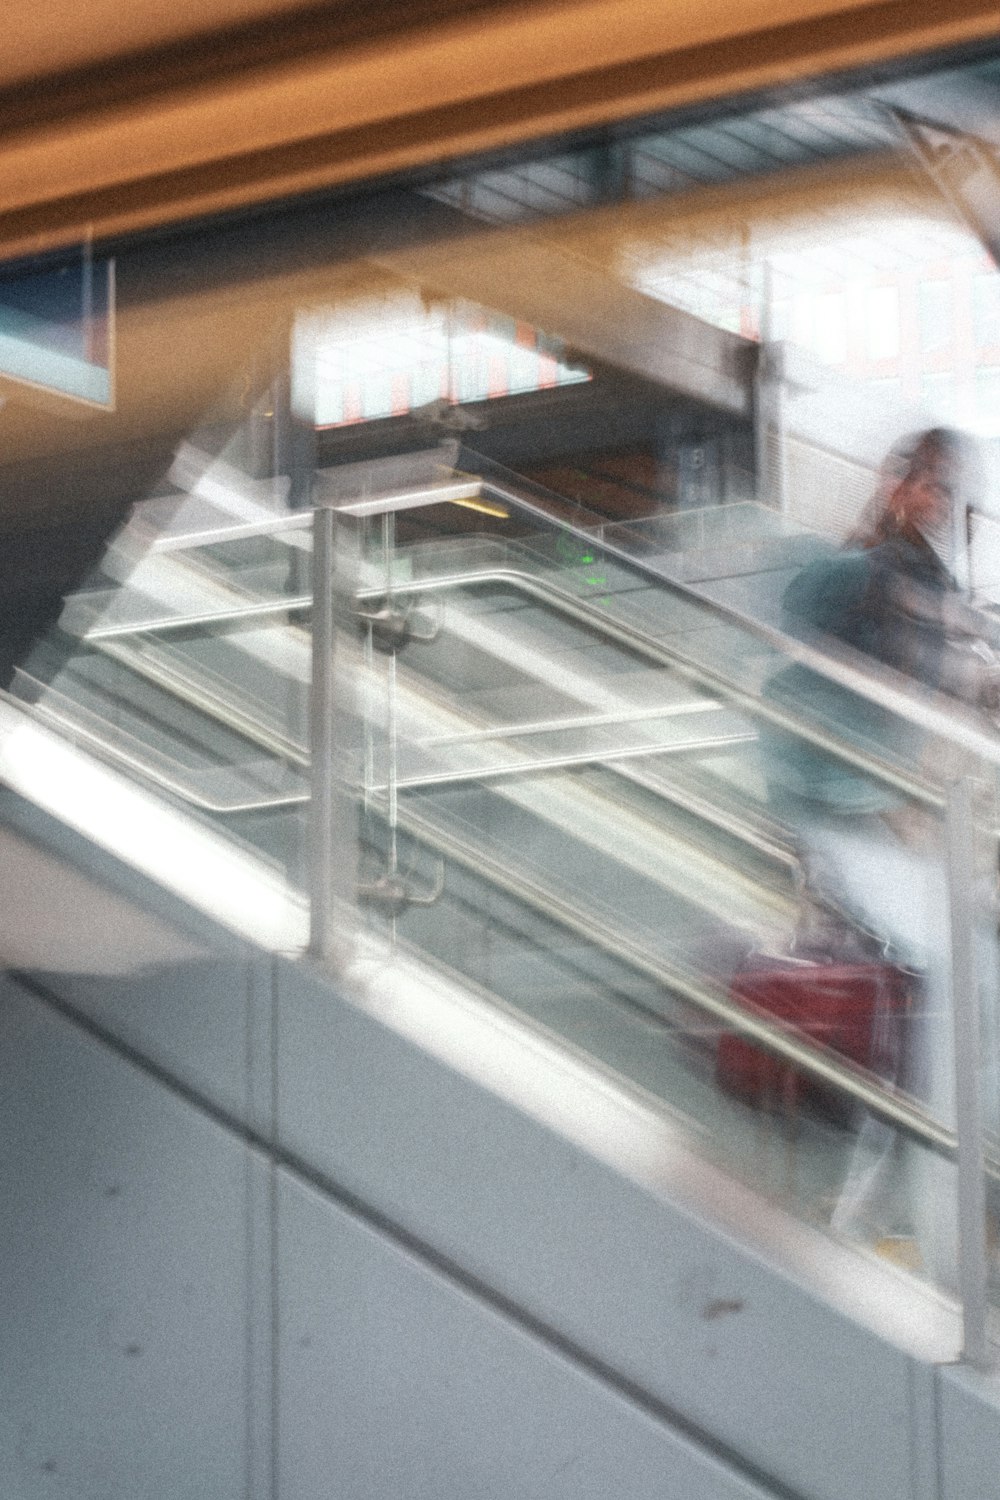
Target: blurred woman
x,y
891,594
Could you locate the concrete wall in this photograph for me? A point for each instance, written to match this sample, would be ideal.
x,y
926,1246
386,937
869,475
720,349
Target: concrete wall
x,y
261,1240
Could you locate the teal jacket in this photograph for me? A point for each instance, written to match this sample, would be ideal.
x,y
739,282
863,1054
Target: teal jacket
x,y
859,597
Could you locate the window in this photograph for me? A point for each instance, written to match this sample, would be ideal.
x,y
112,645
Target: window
x,y
883,322
831,328
988,398
57,328
934,315
986,309
938,390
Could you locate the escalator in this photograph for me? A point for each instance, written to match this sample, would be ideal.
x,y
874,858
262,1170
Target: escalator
x,y
550,783
550,845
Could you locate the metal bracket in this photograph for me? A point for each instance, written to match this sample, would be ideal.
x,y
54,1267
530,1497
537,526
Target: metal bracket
x,y
393,623
394,892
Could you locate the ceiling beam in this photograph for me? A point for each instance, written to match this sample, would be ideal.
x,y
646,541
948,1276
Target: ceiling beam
x,y
184,123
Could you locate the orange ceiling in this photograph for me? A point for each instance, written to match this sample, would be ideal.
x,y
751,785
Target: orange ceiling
x,y
175,111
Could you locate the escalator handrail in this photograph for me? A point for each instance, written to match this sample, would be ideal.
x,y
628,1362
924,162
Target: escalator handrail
x,y
241,721
670,654
840,665
888,689
819,1062
814,1060
551,594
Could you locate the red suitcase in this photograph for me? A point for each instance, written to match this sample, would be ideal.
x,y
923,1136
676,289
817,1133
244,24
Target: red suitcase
x,y
855,1008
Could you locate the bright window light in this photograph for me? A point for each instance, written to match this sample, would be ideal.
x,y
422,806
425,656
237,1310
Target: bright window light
x,y
390,357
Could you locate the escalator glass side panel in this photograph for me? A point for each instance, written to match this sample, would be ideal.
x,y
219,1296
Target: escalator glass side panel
x,y
597,809
578,574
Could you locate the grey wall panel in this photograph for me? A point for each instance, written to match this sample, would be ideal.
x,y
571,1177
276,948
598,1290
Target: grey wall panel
x,y
969,1435
126,1272
162,978
766,1365
396,1385
206,1021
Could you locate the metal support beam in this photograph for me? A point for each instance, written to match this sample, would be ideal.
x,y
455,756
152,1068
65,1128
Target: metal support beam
x,y
321,722
972,1259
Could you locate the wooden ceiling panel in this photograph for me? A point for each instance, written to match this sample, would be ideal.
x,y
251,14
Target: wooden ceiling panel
x,y
143,134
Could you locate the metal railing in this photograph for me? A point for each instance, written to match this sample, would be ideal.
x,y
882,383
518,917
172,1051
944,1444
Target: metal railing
x,y
933,714
890,692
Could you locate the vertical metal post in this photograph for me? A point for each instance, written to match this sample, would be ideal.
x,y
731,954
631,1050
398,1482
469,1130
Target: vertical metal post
x,y
392,736
769,405
972,1260
779,397
87,296
761,392
321,738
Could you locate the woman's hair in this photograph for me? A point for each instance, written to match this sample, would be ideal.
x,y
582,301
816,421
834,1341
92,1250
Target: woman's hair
x,y
944,448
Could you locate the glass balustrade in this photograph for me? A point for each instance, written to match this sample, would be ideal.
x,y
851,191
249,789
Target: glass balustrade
x,y
453,612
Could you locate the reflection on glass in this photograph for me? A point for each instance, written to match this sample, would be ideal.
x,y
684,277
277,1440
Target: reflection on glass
x,y
57,326
402,353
